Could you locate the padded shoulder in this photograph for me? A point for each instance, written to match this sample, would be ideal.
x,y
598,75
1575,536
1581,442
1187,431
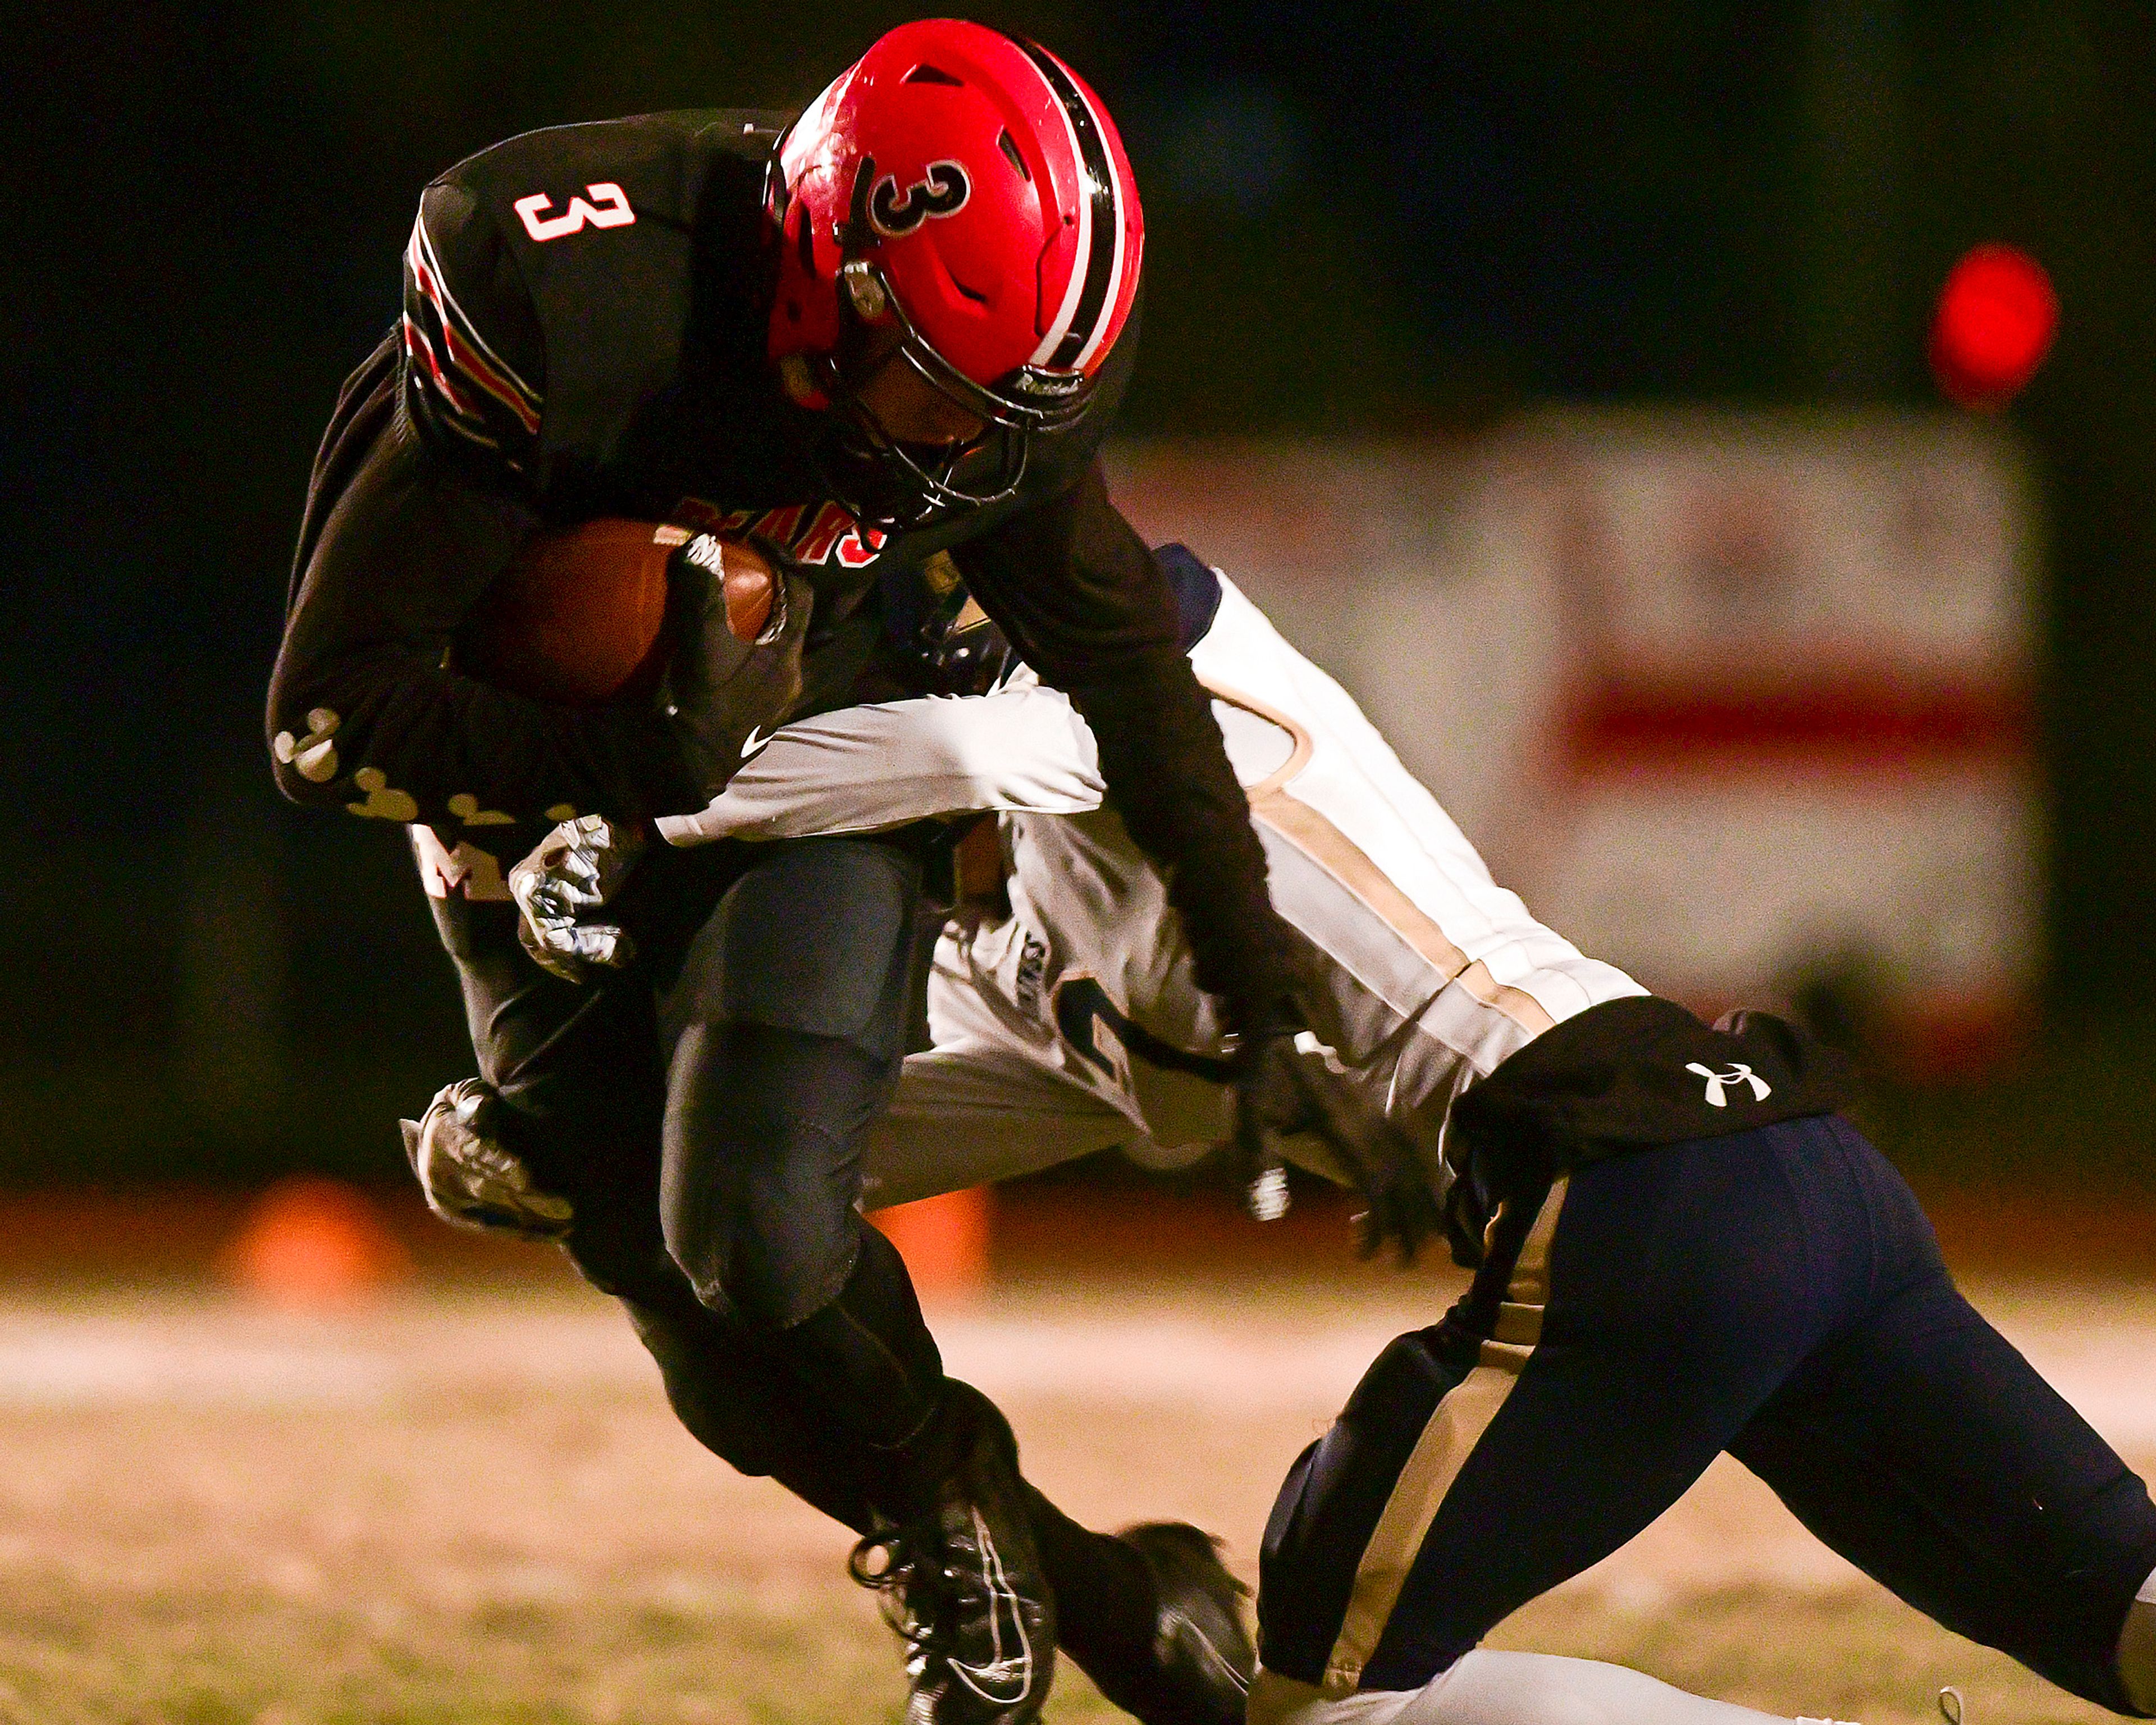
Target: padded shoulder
x,y
474,358
551,278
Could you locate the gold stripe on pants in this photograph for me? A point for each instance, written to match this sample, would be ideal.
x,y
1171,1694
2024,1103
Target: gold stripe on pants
x,y
1454,1428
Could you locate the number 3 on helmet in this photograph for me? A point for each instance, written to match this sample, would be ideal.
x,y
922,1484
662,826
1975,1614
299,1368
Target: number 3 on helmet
x,y
967,194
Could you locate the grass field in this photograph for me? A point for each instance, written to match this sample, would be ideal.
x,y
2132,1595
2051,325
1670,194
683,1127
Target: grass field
x,y
475,1506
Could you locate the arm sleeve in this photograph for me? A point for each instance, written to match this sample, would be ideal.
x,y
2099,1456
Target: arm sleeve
x,y
363,713
1083,600
863,768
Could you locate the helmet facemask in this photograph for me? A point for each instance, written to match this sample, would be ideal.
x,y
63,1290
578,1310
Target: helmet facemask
x,y
891,482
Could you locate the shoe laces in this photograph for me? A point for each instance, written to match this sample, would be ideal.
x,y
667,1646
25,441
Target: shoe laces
x,y
920,1592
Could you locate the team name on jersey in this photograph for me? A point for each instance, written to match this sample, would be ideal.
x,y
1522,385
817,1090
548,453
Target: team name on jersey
x,y
819,534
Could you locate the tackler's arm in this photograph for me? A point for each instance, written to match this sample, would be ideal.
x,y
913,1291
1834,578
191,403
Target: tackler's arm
x,y
866,768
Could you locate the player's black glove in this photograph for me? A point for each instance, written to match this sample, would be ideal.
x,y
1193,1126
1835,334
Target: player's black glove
x,y
738,614
570,877
1287,1083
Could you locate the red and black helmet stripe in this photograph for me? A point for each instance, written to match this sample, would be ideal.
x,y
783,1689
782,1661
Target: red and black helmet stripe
x,y
1104,236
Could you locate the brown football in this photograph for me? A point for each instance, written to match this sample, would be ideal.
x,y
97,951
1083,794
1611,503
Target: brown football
x,y
577,617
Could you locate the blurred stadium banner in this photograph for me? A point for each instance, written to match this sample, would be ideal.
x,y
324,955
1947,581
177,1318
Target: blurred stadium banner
x,y
1740,702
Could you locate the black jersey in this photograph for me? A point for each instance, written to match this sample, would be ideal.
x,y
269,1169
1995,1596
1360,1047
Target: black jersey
x,y
583,334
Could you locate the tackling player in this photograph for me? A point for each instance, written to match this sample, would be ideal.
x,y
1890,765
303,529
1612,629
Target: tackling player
x,y
895,327
1680,1247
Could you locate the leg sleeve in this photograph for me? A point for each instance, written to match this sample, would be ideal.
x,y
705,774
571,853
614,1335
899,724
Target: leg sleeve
x,y
970,1117
1925,1450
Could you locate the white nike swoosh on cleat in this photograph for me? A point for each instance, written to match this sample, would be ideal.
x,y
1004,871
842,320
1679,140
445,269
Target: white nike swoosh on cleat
x,y
1004,1680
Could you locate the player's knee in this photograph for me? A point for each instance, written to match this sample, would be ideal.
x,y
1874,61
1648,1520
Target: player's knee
x,y
775,1280
2137,1650
763,1166
763,1259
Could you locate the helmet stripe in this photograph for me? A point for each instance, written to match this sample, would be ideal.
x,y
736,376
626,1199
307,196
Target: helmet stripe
x,y
1078,325
1115,249
1059,325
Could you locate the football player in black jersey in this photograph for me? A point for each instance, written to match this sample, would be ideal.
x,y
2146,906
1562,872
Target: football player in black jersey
x,y
893,327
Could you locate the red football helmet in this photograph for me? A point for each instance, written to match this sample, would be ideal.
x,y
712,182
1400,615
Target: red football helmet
x,y
966,196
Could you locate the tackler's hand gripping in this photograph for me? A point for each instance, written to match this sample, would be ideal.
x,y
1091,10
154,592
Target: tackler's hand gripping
x,y
1287,1082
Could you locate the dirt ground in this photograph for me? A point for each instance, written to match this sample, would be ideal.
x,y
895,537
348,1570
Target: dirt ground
x,y
475,1506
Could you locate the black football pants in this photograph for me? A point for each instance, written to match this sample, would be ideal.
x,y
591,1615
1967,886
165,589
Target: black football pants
x,y
1776,1293
702,1113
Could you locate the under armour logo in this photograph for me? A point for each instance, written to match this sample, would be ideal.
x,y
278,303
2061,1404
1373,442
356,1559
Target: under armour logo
x,y
1738,1072
943,191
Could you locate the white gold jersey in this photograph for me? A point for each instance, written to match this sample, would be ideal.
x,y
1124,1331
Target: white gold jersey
x,y
1074,1024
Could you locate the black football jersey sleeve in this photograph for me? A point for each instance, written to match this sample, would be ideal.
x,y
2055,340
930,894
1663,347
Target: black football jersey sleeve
x,y
366,712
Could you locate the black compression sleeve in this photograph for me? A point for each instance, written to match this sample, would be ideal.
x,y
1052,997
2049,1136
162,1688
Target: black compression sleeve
x,y
362,713
1081,597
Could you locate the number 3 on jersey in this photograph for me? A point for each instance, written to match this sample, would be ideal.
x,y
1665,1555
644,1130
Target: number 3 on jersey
x,y
601,205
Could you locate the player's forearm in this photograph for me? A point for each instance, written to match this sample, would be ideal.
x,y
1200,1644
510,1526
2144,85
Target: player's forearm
x,y
373,731
364,715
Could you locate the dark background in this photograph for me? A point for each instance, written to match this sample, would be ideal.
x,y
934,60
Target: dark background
x,y
1401,219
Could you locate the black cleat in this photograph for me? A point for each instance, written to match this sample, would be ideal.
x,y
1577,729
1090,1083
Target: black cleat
x,y
962,1582
1197,1671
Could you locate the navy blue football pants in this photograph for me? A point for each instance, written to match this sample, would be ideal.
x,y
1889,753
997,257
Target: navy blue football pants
x,y
1776,1294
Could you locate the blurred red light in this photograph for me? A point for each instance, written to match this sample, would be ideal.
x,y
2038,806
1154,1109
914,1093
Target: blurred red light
x,y
1996,318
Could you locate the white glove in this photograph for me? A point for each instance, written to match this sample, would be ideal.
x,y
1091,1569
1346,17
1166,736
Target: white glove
x,y
573,873
471,1179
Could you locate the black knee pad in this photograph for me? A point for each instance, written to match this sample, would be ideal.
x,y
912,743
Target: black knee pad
x,y
763,1166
